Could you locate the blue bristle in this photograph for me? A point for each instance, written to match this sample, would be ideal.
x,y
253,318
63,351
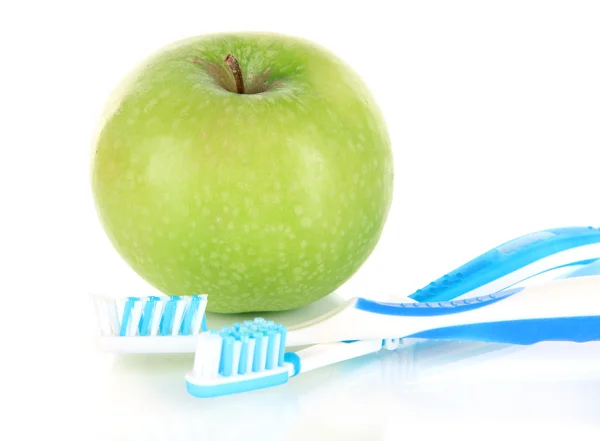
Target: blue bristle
x,y
203,326
226,356
221,360
243,354
147,315
225,330
166,323
283,334
127,309
264,333
270,350
257,351
189,314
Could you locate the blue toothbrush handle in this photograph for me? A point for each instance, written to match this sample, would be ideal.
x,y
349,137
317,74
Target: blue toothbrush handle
x,y
562,309
521,332
527,255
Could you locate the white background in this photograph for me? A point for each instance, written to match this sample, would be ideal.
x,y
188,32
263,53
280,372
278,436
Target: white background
x,y
494,111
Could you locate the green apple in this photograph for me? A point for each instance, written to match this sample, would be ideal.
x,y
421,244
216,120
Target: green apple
x,y
252,167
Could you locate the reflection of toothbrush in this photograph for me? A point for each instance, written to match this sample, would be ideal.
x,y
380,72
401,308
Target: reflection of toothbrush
x,y
499,268
250,357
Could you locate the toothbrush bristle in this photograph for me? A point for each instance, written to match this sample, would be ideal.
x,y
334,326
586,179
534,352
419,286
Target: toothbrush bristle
x,y
151,316
107,315
252,346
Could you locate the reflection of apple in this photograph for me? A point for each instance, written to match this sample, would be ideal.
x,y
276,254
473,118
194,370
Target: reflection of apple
x,y
263,179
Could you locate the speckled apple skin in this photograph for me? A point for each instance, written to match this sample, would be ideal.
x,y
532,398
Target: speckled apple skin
x,y
265,201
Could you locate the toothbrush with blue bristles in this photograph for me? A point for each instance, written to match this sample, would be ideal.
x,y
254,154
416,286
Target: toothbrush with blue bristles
x,y
252,355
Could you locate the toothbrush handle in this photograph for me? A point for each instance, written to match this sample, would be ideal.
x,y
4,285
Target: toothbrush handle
x,y
563,309
521,332
514,261
326,354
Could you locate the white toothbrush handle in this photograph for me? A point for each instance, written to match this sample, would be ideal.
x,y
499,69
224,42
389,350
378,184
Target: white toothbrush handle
x,y
566,309
326,354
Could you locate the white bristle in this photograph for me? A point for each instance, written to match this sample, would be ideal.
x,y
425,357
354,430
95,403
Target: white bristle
x,y
197,322
136,315
156,316
250,359
214,358
237,349
208,355
275,357
120,307
101,306
263,353
202,354
113,315
180,308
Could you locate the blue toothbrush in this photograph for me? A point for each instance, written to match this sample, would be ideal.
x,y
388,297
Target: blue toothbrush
x,y
234,360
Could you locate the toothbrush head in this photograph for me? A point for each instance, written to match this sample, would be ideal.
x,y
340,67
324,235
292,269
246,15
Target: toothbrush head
x,y
151,316
244,357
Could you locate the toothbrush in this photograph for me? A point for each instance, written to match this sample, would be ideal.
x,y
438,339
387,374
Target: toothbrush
x,y
516,261
252,355
152,317
562,306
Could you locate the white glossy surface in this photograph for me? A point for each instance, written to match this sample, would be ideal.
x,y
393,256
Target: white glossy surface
x,y
418,391
421,392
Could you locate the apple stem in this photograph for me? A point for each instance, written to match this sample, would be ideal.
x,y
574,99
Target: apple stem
x,y
236,70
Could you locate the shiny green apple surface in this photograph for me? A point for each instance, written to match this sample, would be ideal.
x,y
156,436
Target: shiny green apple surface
x,y
263,179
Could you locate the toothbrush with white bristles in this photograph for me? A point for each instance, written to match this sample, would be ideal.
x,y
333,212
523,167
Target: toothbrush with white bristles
x,y
251,355
151,317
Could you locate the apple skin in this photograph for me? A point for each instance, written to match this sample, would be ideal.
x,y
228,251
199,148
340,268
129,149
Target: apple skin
x,y
264,201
